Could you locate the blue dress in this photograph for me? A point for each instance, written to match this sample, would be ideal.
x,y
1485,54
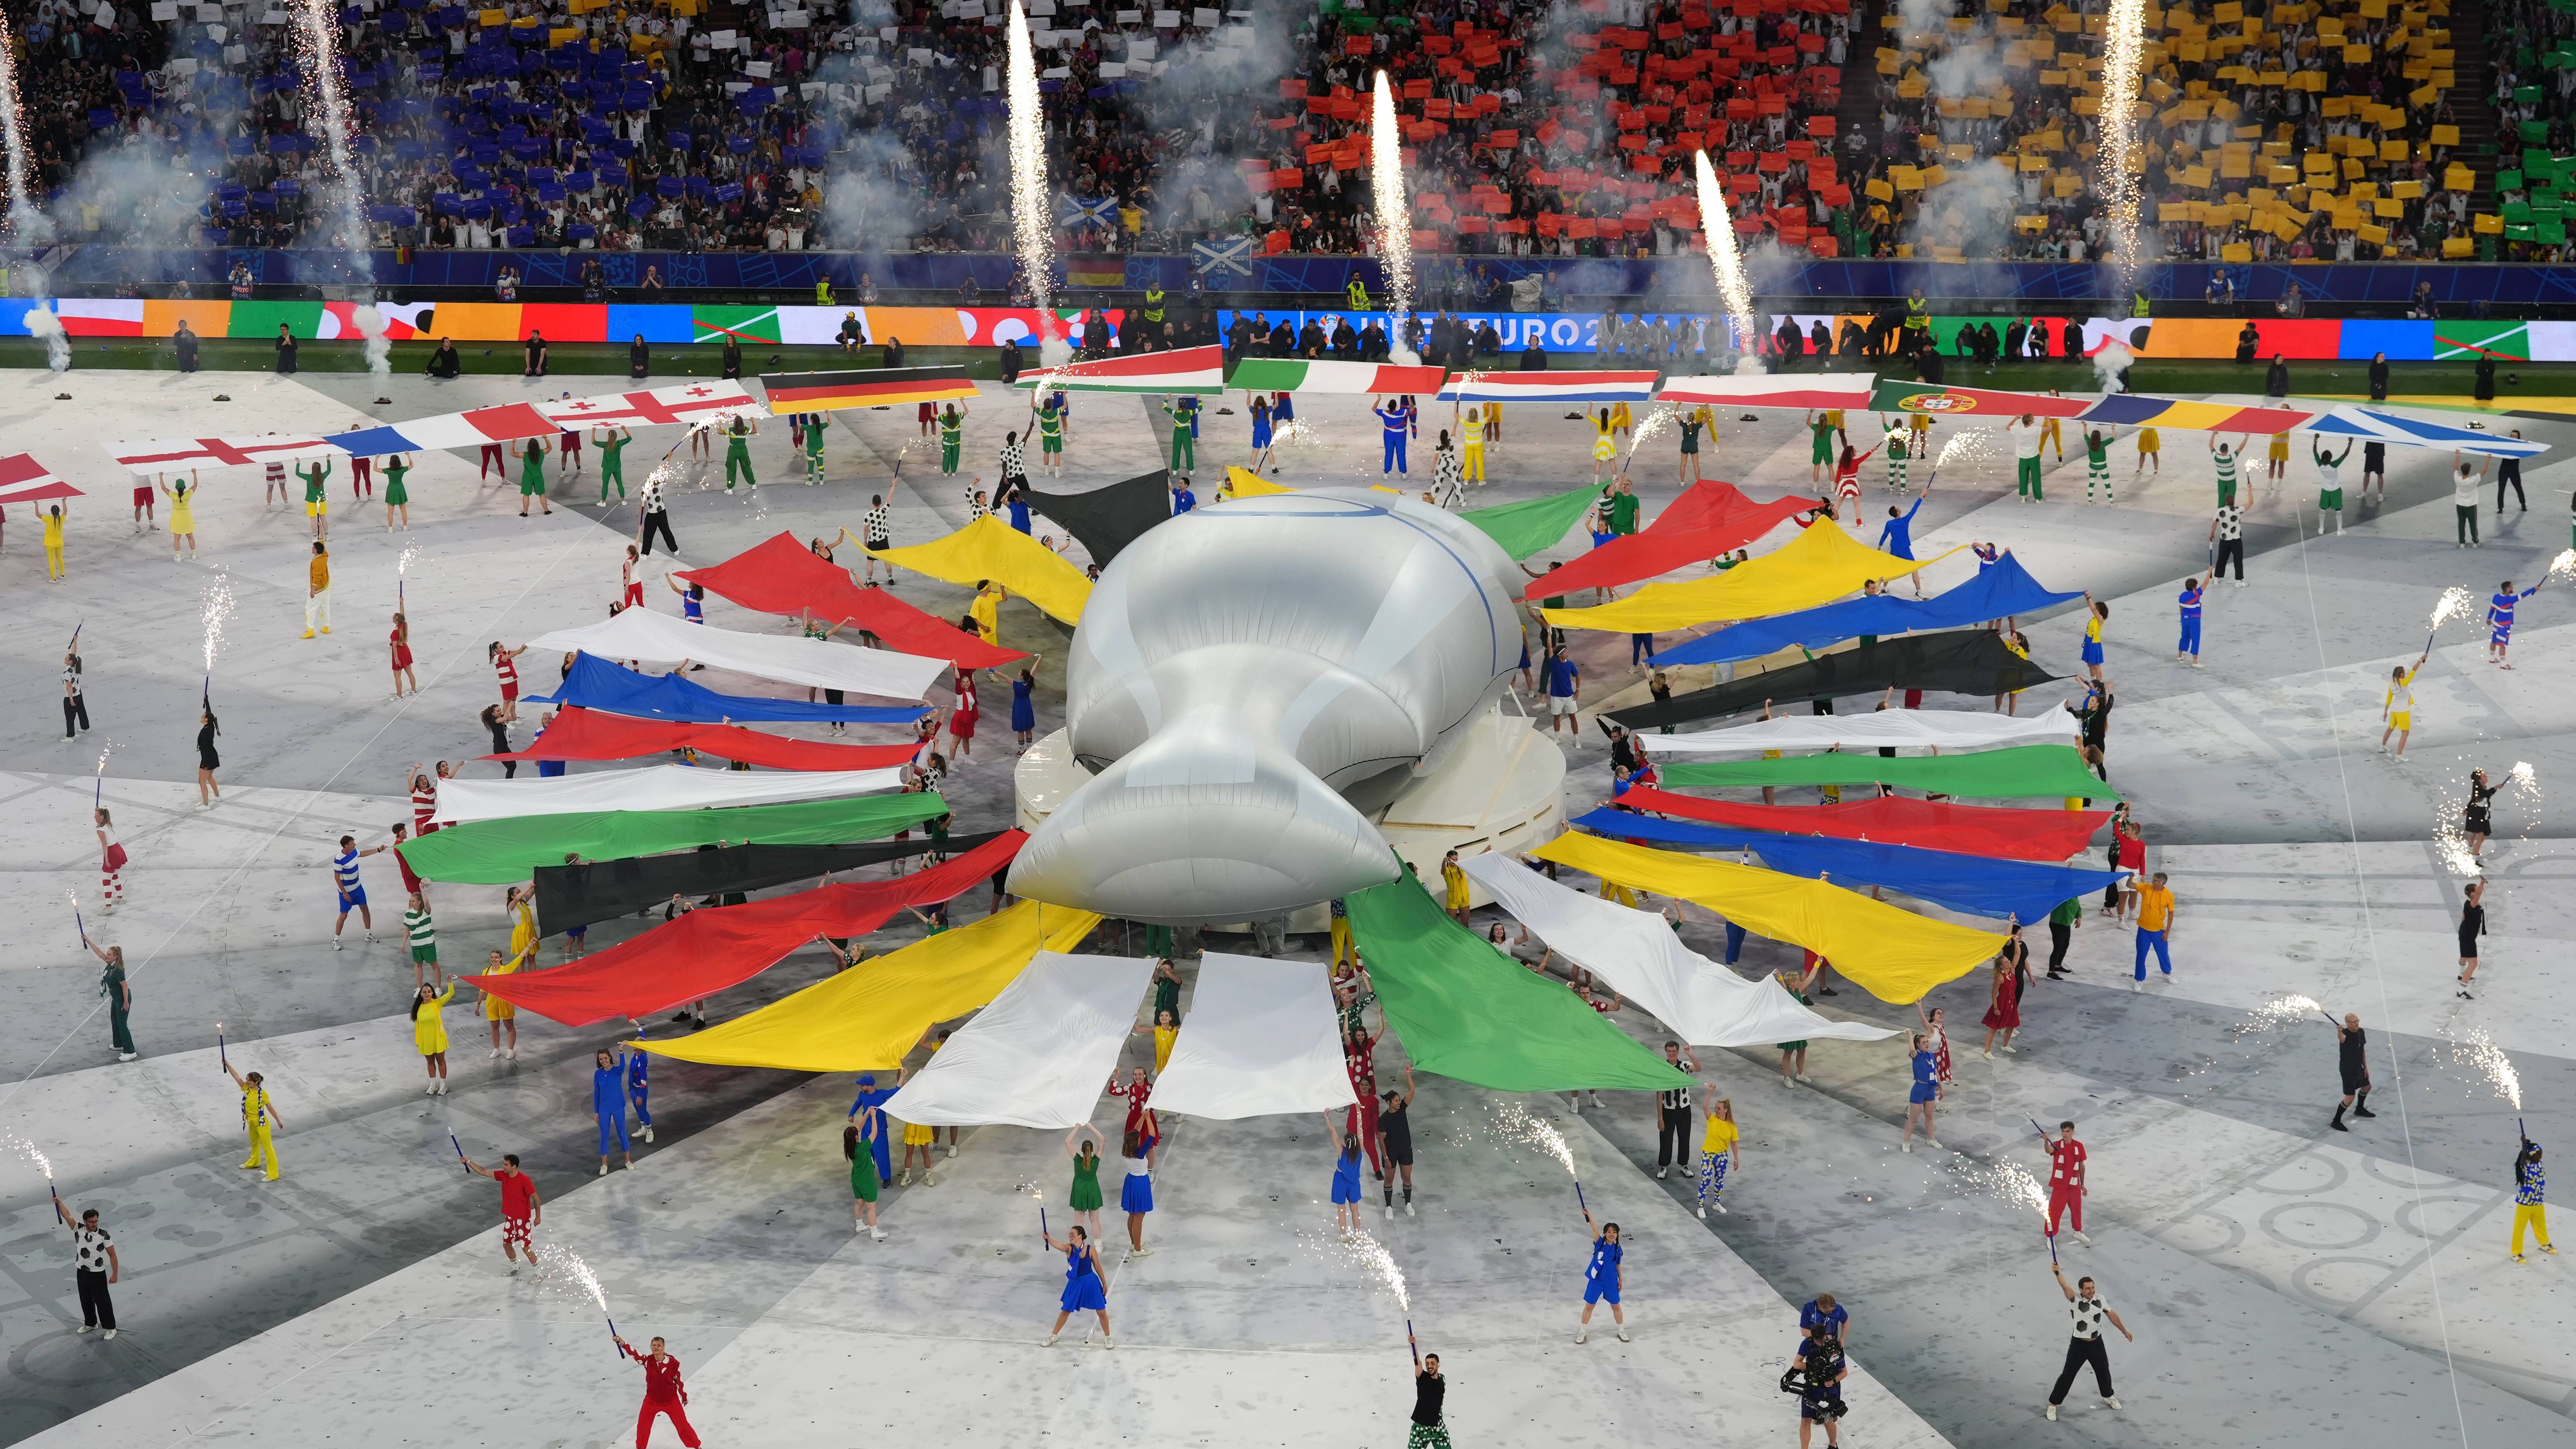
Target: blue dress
x,y
1136,1194
1260,431
1082,1290
1024,715
1346,1178
1020,514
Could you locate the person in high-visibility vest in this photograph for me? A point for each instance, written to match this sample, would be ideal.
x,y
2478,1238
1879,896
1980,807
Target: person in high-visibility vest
x,y
822,291
2138,305
1358,292
1154,305
1918,320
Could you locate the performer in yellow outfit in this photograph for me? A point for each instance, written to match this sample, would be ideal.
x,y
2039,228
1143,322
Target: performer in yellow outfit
x,y
1453,882
1620,419
429,1033
1604,451
1472,434
55,569
986,610
259,1115
501,1015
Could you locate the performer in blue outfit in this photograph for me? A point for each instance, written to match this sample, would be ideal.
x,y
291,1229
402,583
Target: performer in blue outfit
x,y
638,1093
1183,500
1396,427
608,1104
871,1100
1601,1280
2188,648
1896,536
1083,1290
2500,621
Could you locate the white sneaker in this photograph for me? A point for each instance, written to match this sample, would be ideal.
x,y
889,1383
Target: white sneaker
x,y
1049,1342
648,1132
86,1328
2111,1403
432,1089
1107,1342
2081,1240
1703,1209
603,1169
2052,1409
1623,1333
1390,1212
876,1235
1905,1146
513,1054
111,1333
1408,1212
1803,1077
335,943
1935,1146
1662,1172
952,1149
1140,1252
906,1179
125,1056
630,1164
1721,1208
496,1054
1582,1335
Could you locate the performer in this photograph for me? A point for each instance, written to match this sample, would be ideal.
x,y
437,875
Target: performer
x,y
2223,463
2003,1007
1472,433
952,439
2530,1194
259,1118
1083,1145
422,932
1817,1380
111,863
2187,648
2473,924
521,1212
858,1144
814,425
505,665
2352,1058
1051,437
608,1104
120,997
1429,1390
531,454
1136,1188
2500,621
1395,1139
1896,536
1896,460
500,1016
1927,1086
1392,425
2398,707
55,569
2475,821
2066,1180
1185,450
208,792
1673,1114
2151,453
1082,1286
429,1032
74,705
143,501
1024,718
2025,443
2329,485
738,435
1820,445
611,442
353,894
2097,465
663,1394
1936,1034
398,643
1719,1148
639,1089
1602,1279
1847,484
2085,1347
868,1108
362,481
630,589
317,503
2097,614
183,514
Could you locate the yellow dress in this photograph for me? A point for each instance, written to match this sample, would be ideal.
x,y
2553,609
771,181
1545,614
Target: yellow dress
x,y
497,1008
183,510
1164,1036
986,611
523,932
428,1026
2148,442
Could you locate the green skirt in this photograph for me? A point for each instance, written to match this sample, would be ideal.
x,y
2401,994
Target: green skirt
x,y
395,494
1086,1190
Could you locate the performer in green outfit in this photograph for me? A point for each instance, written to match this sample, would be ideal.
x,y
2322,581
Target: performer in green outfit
x,y
317,504
397,498
952,438
1185,451
858,1144
1051,438
532,474
814,425
1896,458
738,438
2097,464
611,443
1086,1175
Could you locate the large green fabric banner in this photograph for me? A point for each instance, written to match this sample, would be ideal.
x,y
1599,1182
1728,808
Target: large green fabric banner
x,y
1466,1010
501,852
2020,772
1527,527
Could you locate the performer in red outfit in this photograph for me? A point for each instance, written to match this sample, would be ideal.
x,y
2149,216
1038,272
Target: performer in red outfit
x,y
2066,1180
663,1394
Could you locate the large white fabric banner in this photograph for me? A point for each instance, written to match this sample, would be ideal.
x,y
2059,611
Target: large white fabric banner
x,y
1948,729
659,787
1643,960
1040,1055
1260,1037
642,634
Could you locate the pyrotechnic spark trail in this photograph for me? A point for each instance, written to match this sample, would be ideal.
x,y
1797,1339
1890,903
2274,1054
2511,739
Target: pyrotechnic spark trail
x,y
23,223
1725,265
2123,48
1394,217
1032,216
2478,1052
1513,1123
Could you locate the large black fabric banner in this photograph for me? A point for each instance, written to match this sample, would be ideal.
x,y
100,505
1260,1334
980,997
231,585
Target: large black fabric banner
x,y
577,895
1959,661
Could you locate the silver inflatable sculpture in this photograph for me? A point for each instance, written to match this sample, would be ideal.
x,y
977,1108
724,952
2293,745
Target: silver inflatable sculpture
x,y
1251,682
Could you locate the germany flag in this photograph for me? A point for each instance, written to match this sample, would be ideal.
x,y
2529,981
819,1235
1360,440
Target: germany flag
x,y
823,392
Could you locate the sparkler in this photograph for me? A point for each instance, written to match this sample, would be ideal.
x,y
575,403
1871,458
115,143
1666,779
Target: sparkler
x,y
2455,603
1652,423
1725,265
76,915
1394,217
1032,220
1515,1124
45,1165
98,787
1961,445
214,610
565,1265
460,1150
2123,47
2478,1052
2563,566
23,222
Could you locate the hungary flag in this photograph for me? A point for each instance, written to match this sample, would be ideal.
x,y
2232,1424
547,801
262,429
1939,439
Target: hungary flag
x,y
1188,369
1281,374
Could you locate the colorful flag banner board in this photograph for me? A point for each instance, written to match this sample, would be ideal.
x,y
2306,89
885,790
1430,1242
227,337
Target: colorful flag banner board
x,y
867,1018
2001,590
1988,830
184,455
502,852
2013,773
1820,564
688,403
1891,953
580,734
594,683
658,787
989,549
24,480
1262,1037
641,634
711,949
1038,1055
780,575
1969,884
1847,391
1467,1011
1709,519
1905,729
1107,519
1533,525
1244,483
1186,369
1382,379
1639,954
822,392
1549,387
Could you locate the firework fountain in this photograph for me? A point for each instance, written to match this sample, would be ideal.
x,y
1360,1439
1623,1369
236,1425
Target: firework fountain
x,y
214,611
2123,49
1513,1123
2455,603
23,223
1032,216
1725,264
564,1269
317,41
1394,217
